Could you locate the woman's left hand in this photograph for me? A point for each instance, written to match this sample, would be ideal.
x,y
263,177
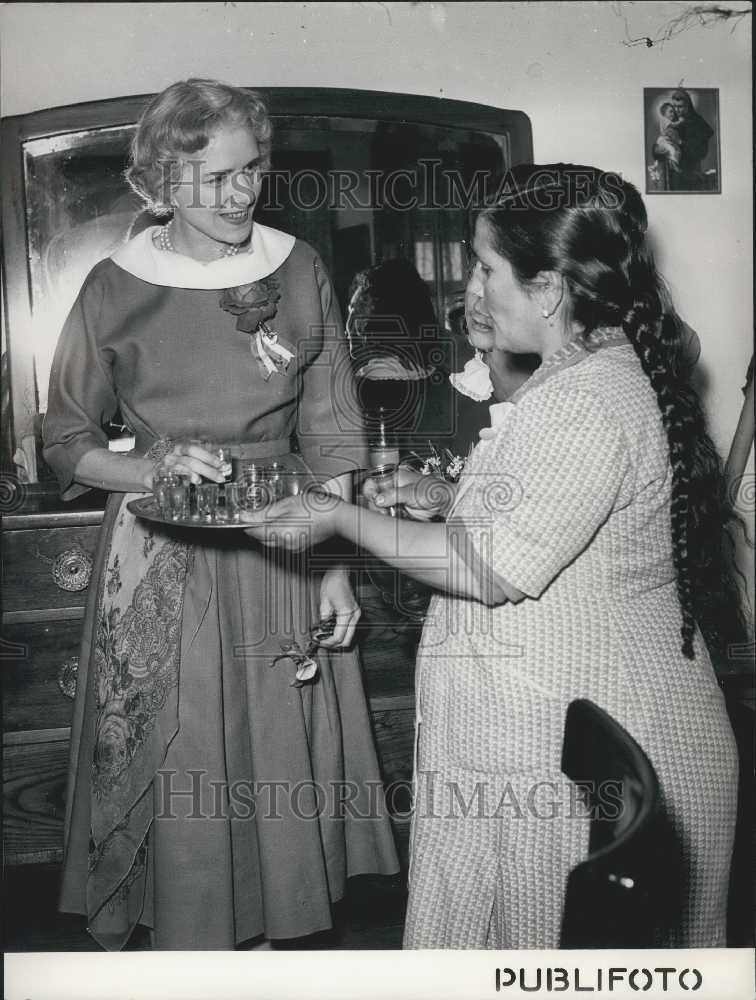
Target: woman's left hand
x,y
337,598
424,496
294,523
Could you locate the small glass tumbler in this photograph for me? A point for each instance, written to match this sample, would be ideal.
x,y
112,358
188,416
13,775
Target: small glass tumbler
x,y
218,450
178,501
207,501
162,480
254,490
224,454
232,497
276,476
296,482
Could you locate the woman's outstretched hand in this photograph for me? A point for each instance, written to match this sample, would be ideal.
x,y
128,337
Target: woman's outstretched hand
x,y
424,497
295,523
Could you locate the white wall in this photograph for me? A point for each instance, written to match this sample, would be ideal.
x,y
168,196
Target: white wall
x,y
565,64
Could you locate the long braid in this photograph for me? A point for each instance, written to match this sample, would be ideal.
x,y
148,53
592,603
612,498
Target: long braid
x,y
640,330
590,227
699,507
625,288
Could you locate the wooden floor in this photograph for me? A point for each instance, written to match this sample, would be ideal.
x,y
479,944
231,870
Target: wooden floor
x,y
371,917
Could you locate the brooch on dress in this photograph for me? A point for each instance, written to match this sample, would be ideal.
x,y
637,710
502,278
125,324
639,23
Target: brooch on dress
x,y
253,305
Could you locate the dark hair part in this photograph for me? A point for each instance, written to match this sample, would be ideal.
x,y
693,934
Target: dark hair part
x,y
180,121
590,227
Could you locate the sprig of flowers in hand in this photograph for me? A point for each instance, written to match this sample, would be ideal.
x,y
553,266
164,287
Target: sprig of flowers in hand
x,y
443,463
307,667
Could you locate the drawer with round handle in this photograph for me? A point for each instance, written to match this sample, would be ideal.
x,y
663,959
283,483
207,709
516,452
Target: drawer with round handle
x,y
47,569
39,673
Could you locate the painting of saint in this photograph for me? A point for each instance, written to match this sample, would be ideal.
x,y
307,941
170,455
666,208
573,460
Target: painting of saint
x,y
682,140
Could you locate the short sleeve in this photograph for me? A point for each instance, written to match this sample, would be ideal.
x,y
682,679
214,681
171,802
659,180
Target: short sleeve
x,y
560,464
82,396
330,426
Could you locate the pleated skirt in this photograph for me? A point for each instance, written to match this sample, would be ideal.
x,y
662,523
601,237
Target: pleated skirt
x,y
270,794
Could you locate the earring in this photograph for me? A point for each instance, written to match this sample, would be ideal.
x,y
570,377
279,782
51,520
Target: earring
x,y
545,313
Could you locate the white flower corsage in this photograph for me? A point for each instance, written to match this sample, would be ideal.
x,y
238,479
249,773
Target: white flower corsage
x,y
474,380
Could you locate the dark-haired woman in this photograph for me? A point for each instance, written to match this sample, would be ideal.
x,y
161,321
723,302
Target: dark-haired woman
x,y
583,557
204,794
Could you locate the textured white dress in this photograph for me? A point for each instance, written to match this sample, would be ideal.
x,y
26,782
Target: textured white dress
x,y
569,501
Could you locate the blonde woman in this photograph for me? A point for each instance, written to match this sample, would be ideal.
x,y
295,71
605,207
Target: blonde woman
x,y
198,772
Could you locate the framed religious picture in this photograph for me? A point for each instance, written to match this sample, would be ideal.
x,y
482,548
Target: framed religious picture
x,y
682,140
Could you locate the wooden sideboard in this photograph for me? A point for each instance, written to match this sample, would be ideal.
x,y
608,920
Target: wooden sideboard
x,y
47,554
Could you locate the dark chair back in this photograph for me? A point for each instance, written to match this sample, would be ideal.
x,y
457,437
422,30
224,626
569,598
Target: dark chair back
x,y
626,892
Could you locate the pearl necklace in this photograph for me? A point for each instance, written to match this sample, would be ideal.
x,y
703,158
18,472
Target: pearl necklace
x,y
164,242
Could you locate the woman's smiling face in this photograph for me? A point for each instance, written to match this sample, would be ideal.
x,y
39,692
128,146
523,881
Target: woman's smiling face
x,y
496,300
215,198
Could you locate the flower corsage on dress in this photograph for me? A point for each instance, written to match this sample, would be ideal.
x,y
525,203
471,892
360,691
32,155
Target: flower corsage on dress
x,y
254,305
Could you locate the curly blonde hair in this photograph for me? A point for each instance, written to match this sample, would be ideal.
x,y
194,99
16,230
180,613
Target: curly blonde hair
x,y
179,121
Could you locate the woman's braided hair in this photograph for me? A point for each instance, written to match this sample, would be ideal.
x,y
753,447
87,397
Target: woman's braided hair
x,y
590,226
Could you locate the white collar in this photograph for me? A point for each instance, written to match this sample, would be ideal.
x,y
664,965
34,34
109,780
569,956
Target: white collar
x,y
268,250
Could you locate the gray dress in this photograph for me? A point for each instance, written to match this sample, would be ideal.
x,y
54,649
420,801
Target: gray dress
x,y
569,501
206,794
